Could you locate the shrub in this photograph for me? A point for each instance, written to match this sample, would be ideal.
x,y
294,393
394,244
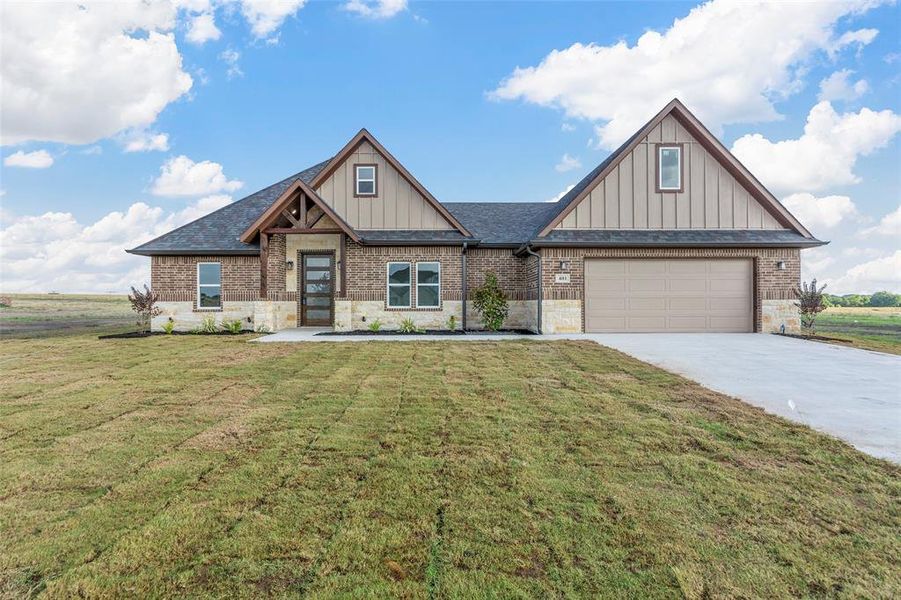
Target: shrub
x,y
169,327
263,329
375,325
408,326
232,326
144,303
491,303
208,325
6,302
810,303
452,322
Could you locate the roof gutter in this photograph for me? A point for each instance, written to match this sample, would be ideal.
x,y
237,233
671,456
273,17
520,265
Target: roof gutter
x,y
567,244
530,252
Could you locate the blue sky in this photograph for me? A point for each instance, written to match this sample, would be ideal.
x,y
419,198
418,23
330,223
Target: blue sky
x,y
142,97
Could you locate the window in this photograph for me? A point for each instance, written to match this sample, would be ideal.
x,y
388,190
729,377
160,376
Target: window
x,y
428,285
209,285
399,285
365,184
669,168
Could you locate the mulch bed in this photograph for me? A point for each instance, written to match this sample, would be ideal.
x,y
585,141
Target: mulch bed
x,y
815,338
137,334
429,332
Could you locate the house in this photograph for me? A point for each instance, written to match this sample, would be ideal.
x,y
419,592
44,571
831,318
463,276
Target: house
x,y
669,233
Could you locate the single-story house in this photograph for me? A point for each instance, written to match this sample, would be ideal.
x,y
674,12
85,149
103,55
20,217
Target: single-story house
x,y
670,233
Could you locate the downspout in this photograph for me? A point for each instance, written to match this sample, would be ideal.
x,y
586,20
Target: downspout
x,y
465,288
538,256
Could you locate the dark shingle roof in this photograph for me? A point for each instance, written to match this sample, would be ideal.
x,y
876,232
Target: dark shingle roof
x,y
677,237
506,223
218,232
415,236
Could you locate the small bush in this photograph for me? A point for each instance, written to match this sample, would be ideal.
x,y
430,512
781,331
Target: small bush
x,y
375,325
810,303
408,326
491,303
208,325
169,327
452,322
6,302
263,329
232,327
144,303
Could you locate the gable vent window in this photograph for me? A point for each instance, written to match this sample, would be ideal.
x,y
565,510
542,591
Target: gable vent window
x,y
209,285
365,182
669,168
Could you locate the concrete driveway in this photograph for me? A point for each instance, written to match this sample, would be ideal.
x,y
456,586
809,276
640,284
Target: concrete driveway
x,y
852,394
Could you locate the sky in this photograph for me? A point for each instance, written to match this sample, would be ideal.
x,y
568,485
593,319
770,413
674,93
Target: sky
x,y
120,121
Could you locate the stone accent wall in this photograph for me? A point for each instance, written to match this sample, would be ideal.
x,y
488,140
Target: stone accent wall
x,y
297,243
779,313
174,278
770,282
259,315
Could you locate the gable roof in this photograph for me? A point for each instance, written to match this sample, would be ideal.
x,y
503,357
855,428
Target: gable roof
x,y
697,129
364,135
271,213
219,232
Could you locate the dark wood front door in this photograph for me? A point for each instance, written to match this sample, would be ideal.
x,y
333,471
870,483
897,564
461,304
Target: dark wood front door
x,y
317,289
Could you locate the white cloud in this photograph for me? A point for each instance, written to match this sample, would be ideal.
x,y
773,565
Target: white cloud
x,y
858,37
567,127
814,261
377,9
230,57
79,72
54,252
202,29
181,176
39,159
561,194
825,155
890,224
820,213
265,16
93,150
872,276
568,163
855,252
728,61
145,141
837,87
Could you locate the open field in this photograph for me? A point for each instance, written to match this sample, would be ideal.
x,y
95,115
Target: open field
x,y
870,328
198,466
52,314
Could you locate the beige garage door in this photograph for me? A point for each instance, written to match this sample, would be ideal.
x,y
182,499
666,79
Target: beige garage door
x,y
668,295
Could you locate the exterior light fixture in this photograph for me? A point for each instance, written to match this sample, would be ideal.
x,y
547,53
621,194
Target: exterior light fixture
x,y
289,265
780,265
564,265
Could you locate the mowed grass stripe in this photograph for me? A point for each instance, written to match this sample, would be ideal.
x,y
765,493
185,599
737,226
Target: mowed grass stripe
x,y
428,470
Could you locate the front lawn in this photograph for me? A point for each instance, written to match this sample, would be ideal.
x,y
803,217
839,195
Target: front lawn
x,y
870,328
197,466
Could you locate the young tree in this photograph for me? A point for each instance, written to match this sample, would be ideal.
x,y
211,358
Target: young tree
x,y
491,303
810,303
144,303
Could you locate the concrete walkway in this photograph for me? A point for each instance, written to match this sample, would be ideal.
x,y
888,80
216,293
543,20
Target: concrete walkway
x,y
852,394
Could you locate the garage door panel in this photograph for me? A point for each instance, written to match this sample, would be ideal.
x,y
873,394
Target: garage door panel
x,y
668,295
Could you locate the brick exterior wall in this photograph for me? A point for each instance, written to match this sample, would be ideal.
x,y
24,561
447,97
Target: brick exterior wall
x,y
366,269
275,267
511,271
174,278
770,283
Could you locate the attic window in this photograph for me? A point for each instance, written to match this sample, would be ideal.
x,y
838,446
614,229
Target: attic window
x,y
365,180
669,168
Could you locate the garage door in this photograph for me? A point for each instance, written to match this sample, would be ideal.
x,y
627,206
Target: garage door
x,y
668,295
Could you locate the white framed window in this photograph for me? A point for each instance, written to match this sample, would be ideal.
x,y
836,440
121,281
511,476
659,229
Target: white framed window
x,y
365,183
428,284
399,286
669,168
209,285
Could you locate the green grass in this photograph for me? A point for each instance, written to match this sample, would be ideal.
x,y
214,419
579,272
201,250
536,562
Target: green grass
x,y
866,327
53,314
207,466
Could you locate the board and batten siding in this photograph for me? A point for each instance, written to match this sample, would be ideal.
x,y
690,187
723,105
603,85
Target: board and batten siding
x,y
398,204
711,198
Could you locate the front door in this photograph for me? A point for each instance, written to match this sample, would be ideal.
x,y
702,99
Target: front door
x,y
317,289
